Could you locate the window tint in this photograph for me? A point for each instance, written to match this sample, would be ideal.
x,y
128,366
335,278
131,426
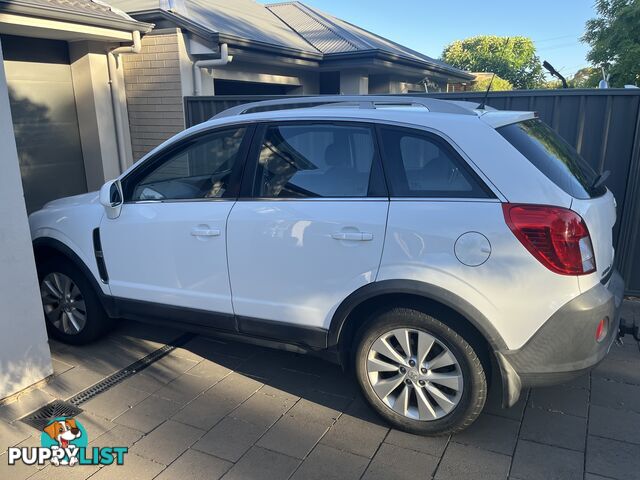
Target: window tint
x,y
422,165
314,160
201,169
554,157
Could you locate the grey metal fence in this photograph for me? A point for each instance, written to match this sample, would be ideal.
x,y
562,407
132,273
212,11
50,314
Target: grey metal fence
x,y
603,125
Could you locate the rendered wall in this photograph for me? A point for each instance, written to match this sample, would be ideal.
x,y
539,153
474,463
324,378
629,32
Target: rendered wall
x,y
24,352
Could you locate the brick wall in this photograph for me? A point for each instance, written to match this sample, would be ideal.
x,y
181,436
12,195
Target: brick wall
x,y
154,93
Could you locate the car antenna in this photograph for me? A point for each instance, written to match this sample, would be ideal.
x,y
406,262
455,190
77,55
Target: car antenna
x,y
486,94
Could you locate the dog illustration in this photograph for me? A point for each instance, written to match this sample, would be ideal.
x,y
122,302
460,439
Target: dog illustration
x,y
63,432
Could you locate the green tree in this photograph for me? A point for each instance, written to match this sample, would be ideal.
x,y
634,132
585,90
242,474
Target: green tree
x,y
587,77
498,84
511,58
614,37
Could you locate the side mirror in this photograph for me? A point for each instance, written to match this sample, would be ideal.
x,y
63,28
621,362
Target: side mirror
x,y
111,198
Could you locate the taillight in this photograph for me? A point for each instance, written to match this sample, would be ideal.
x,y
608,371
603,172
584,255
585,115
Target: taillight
x,y
557,237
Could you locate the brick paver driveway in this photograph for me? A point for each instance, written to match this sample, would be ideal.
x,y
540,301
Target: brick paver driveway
x,y
215,409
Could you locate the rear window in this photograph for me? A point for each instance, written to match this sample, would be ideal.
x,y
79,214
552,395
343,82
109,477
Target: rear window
x,y
554,157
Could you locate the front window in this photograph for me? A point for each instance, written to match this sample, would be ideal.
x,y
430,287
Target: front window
x,y
199,169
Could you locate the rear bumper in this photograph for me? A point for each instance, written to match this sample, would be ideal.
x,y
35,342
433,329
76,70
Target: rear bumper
x,y
564,347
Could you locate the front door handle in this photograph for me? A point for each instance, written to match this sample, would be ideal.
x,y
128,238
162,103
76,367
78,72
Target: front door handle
x,y
353,236
205,232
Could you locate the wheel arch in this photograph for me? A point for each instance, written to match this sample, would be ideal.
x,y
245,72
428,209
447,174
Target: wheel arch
x,y
352,312
47,247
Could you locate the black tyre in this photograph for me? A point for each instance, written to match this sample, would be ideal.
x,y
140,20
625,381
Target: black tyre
x,y
419,374
71,306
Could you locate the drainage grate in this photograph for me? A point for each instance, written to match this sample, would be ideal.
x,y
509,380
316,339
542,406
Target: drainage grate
x,y
117,377
58,408
45,415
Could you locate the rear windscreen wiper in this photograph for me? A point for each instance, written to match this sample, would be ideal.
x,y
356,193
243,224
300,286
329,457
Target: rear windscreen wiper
x,y
600,179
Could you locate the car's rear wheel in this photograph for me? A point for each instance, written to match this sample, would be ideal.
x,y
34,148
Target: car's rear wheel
x,y
71,307
418,373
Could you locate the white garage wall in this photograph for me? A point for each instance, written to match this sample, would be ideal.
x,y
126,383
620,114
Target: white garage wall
x,y
24,352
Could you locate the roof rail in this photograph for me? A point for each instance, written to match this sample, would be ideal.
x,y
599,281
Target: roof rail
x,y
361,101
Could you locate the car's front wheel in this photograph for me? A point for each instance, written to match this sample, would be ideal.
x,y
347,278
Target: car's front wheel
x,y
418,373
71,307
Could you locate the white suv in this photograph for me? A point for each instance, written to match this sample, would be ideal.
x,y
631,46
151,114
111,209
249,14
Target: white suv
x,y
422,242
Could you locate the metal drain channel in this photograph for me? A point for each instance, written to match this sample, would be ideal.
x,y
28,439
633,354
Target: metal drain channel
x,y
117,377
58,408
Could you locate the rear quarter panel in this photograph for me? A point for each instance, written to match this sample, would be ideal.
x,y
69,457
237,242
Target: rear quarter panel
x,y
511,288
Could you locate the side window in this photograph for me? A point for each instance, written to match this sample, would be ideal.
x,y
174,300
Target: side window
x,y
200,169
422,165
314,160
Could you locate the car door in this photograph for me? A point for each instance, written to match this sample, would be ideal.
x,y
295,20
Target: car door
x,y
309,227
168,245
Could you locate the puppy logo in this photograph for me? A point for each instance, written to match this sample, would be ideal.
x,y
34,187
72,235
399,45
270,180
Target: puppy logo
x,y
65,436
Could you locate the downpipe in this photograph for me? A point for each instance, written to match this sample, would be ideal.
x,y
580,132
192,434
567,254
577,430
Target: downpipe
x,y
216,62
112,63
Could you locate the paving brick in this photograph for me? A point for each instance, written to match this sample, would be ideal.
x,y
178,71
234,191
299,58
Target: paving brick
x,y
12,434
143,382
148,414
554,428
613,394
185,388
612,459
59,367
355,435
168,368
115,401
209,408
212,370
26,403
78,472
400,463
134,468
263,410
561,399
167,442
431,445
193,464
326,463
229,439
258,464
293,437
71,382
119,436
18,471
95,425
534,461
615,424
626,372
490,432
463,461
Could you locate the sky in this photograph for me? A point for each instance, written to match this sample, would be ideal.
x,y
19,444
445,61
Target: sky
x,y
428,26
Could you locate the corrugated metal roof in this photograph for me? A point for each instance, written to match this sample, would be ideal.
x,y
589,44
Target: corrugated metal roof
x,y
241,18
330,34
90,7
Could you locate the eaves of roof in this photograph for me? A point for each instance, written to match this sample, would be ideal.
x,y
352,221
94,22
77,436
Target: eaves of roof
x,y
74,16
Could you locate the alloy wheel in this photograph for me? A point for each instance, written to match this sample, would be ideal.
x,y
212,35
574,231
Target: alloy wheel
x,y
63,303
414,374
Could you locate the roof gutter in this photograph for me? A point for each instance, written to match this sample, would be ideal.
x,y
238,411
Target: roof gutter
x,y
211,63
116,101
66,15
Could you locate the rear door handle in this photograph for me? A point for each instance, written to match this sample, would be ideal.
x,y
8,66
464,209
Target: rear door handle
x,y
205,232
353,236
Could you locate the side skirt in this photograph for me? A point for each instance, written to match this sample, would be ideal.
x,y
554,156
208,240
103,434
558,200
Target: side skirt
x,y
265,333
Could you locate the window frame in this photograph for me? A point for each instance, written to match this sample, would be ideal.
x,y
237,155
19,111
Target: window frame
x,y
445,145
132,178
377,187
